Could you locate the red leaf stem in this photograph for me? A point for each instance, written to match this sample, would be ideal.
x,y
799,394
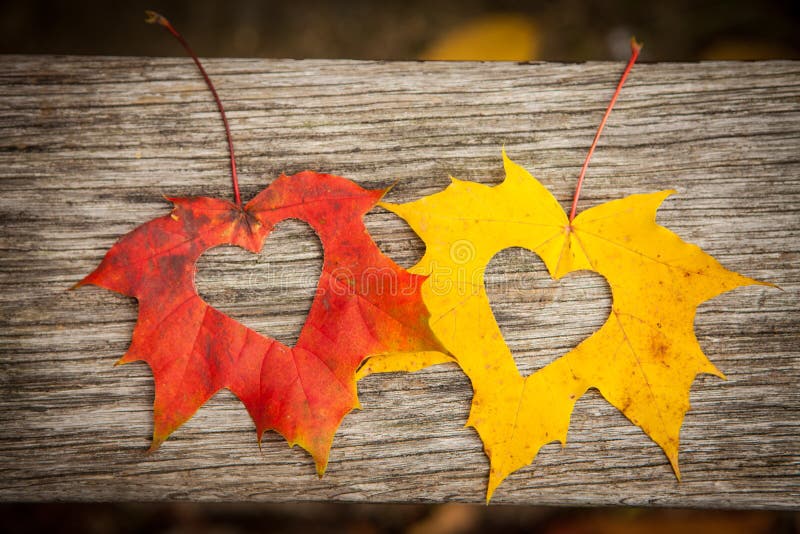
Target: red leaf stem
x,y
155,18
635,49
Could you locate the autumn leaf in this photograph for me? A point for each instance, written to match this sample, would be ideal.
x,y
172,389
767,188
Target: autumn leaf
x,y
643,359
365,304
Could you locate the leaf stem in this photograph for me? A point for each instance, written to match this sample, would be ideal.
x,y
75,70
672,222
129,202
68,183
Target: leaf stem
x,y
154,18
636,47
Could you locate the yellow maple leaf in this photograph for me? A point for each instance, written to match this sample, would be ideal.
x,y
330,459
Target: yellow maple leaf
x,y
643,360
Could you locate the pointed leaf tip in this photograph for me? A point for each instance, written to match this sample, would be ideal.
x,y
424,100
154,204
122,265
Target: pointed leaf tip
x,y
76,285
391,186
390,206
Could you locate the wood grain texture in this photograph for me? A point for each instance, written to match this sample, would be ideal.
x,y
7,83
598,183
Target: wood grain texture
x,y
88,146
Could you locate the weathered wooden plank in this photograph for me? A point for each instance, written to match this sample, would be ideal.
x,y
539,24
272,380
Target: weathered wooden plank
x,y
89,145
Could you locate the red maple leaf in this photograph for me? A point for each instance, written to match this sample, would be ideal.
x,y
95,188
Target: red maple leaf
x,y
365,305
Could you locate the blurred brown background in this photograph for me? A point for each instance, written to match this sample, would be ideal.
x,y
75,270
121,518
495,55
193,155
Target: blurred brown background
x,y
563,30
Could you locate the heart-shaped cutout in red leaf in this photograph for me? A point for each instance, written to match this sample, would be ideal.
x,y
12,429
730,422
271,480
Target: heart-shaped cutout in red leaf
x,y
270,292
365,305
